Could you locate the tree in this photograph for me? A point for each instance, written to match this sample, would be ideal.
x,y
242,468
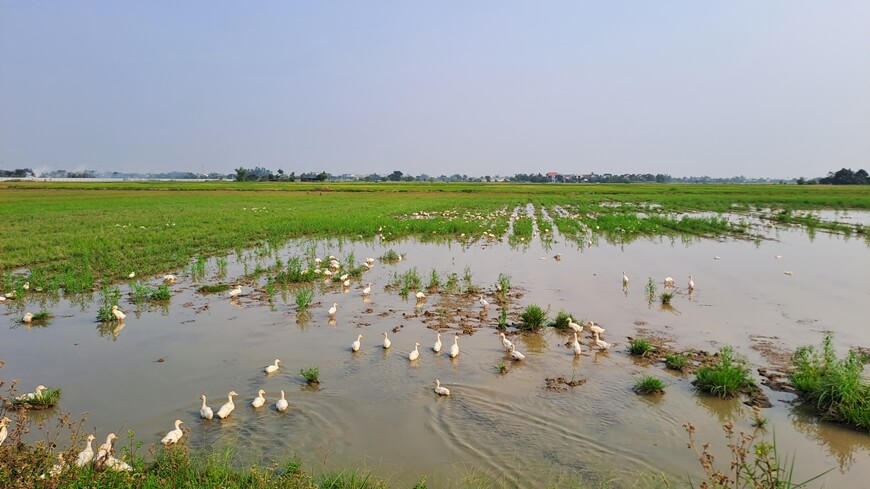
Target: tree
x,y
395,176
322,176
241,174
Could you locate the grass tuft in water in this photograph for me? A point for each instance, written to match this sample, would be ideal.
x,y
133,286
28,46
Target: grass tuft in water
x,y
109,297
647,384
48,398
675,361
213,288
304,296
650,290
533,318
640,347
561,321
666,297
725,378
310,374
391,256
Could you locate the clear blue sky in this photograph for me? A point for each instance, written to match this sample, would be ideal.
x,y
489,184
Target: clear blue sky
x,y
752,87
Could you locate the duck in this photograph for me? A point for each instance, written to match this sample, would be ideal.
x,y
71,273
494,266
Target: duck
x,y
624,280
691,283
387,342
483,303
601,344
506,342
235,292
271,369
515,354
173,436
28,317
282,404
169,278
117,464
3,429
205,412
131,275
346,283
441,391
228,406
574,326
57,468
594,328
669,281
259,401
105,450
32,395
454,350
355,345
420,296
332,310
414,354
87,454
576,346
344,277
119,314
367,290
437,346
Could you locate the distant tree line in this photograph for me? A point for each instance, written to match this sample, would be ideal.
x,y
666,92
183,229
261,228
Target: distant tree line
x,y
16,173
844,176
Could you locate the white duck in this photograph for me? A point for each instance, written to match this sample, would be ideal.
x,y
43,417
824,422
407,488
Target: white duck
x,y
169,278
32,395
669,281
271,369
173,436
515,354
119,314
87,455
576,345
355,345
367,290
105,450
57,468
601,344
228,406
454,349
332,310
282,404
691,283
506,342
420,296
441,391
3,429
574,326
594,328
205,412
260,400
416,353
387,342
28,317
624,280
437,346
483,303
236,292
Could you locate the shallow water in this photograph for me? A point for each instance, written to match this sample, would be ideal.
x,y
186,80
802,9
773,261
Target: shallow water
x,y
375,409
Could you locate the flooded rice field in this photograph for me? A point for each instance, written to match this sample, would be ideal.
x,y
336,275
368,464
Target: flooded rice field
x,y
375,409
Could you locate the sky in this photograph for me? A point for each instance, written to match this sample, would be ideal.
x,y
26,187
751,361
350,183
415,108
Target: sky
x,y
767,89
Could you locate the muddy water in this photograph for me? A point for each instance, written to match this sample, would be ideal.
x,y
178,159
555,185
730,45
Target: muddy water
x,y
375,409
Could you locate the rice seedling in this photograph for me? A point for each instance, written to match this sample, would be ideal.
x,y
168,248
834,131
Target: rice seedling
x,y
501,368
109,297
666,297
640,347
222,266
650,290
310,374
503,284
725,378
161,293
561,321
502,318
303,297
434,281
470,288
533,318
675,361
213,288
391,256
46,399
836,388
452,283
197,268
647,384
140,292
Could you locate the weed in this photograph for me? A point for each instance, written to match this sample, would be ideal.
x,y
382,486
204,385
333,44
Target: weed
x,y
501,368
109,297
675,361
434,281
650,290
725,378
162,293
502,318
213,288
310,374
640,347
561,321
140,292
452,284
533,318
666,297
391,256
647,384
304,296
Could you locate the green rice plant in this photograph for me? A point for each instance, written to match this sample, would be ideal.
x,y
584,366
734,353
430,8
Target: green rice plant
x,y
304,296
310,374
836,388
391,256
434,281
640,347
109,296
502,318
222,266
501,368
725,378
46,399
650,290
503,284
40,317
452,283
647,384
533,318
675,361
561,321
270,289
197,268
161,293
411,279
213,288
140,292
666,297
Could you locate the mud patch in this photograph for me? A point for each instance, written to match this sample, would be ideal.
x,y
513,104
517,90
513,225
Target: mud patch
x,y
561,384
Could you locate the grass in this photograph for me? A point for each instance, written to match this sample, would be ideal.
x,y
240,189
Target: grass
x,y
675,361
666,297
640,347
503,285
835,388
304,296
48,398
502,318
213,288
533,318
726,377
501,368
650,290
310,374
390,256
647,384
561,321
109,297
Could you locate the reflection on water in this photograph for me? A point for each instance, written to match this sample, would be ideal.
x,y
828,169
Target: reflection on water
x,y
374,408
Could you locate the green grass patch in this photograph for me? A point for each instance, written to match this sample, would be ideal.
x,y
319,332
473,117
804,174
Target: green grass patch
x,y
647,384
109,297
213,288
310,374
675,361
666,297
835,387
46,399
726,377
533,318
640,347
561,321
303,297
391,256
